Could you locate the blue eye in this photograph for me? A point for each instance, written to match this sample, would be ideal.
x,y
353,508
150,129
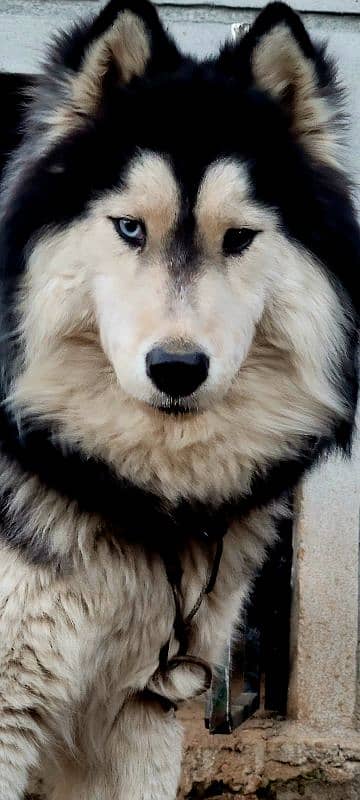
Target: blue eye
x,y
131,230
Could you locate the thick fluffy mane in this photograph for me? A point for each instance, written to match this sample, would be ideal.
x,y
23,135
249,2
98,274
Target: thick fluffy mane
x,y
80,135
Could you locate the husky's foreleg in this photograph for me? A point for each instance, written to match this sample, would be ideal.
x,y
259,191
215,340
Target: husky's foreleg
x,y
152,740
141,760
22,734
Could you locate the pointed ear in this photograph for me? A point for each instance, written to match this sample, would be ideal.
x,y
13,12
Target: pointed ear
x,y
278,57
122,43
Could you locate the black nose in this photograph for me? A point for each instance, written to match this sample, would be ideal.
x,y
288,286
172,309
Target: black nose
x,y
177,374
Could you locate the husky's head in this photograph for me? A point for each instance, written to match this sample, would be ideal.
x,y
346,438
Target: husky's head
x,y
181,243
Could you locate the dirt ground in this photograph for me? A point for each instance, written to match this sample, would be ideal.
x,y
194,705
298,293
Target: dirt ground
x,y
270,759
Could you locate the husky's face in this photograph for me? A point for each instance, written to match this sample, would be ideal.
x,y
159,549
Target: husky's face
x,y
178,284
179,223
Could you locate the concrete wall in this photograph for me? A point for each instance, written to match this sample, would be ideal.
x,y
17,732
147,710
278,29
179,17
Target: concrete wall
x,y
324,637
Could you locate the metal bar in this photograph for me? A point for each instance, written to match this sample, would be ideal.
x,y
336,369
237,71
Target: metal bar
x,y
218,717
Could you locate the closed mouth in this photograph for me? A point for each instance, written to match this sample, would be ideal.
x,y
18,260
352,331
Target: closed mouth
x,y
177,406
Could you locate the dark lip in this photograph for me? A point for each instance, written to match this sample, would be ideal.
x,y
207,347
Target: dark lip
x,y
176,409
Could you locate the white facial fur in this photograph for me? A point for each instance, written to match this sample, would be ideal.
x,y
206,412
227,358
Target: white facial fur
x,y
136,302
269,321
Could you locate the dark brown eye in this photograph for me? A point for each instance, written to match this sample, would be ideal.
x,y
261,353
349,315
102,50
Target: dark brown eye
x,y
131,230
236,240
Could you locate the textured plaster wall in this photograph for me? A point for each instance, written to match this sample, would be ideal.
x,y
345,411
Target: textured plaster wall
x,y
324,651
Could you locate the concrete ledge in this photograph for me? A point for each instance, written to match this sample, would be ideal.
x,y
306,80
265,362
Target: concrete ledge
x,y
270,759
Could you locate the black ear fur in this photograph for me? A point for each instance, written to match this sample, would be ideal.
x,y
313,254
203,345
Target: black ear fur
x,y
238,57
278,57
124,42
275,14
71,48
